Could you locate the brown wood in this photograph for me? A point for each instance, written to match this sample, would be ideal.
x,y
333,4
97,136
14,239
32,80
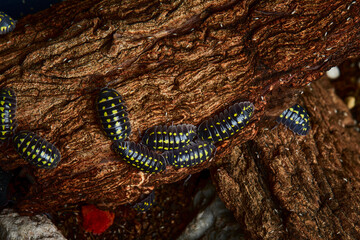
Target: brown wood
x,y
173,62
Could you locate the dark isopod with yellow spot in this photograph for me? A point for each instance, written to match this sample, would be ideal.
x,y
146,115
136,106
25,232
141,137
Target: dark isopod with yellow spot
x,y
169,138
7,24
140,156
36,150
190,155
296,119
146,203
7,113
227,123
113,115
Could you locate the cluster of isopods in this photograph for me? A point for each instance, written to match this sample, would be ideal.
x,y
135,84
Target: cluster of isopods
x,y
34,149
175,142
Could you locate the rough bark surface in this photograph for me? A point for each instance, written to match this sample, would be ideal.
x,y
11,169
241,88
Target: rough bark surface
x,y
173,62
285,186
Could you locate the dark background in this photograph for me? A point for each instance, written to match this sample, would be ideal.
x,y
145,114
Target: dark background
x,y
20,8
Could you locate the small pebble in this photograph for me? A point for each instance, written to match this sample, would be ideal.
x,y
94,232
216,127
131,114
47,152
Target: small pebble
x,y
350,102
333,73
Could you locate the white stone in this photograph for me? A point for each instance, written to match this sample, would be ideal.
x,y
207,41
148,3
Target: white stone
x,y
333,73
16,227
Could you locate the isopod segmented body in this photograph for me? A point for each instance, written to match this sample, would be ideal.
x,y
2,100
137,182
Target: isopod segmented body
x,y
113,115
146,203
140,156
190,155
227,123
7,24
36,150
7,113
296,119
169,138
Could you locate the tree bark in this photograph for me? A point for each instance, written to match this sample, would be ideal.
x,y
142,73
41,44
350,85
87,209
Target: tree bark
x,y
173,62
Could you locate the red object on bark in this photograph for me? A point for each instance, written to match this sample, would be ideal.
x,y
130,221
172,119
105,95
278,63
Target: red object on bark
x,y
96,220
